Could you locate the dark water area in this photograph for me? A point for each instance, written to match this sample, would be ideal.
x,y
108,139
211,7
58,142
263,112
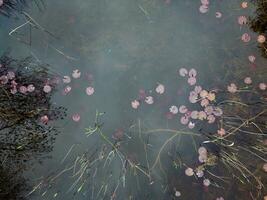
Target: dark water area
x,y
122,71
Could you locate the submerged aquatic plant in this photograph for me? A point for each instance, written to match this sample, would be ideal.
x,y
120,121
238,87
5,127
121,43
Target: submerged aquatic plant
x,y
237,148
9,7
88,168
229,123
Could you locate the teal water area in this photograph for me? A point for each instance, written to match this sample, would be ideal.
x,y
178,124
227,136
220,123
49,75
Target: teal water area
x,y
121,47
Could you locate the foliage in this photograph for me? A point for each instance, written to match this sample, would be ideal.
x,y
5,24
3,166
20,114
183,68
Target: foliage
x,y
26,115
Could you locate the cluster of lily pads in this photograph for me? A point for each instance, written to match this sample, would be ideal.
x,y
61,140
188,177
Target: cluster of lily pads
x,y
148,99
203,100
237,141
9,79
204,8
257,25
205,159
233,88
76,74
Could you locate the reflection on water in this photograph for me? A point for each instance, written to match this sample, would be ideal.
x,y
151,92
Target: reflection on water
x,y
127,72
26,109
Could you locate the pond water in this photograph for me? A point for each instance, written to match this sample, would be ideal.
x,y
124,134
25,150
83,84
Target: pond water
x,y
125,49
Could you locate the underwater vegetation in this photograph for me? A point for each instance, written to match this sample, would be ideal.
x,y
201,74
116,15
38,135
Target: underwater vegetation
x,y
226,127
229,128
235,146
11,8
26,116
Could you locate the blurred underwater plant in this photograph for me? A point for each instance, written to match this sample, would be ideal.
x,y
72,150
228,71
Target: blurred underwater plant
x,y
11,8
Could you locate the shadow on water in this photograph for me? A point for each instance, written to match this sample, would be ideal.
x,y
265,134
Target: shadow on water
x,y
25,110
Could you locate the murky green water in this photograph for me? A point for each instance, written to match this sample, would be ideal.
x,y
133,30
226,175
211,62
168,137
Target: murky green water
x,y
120,48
